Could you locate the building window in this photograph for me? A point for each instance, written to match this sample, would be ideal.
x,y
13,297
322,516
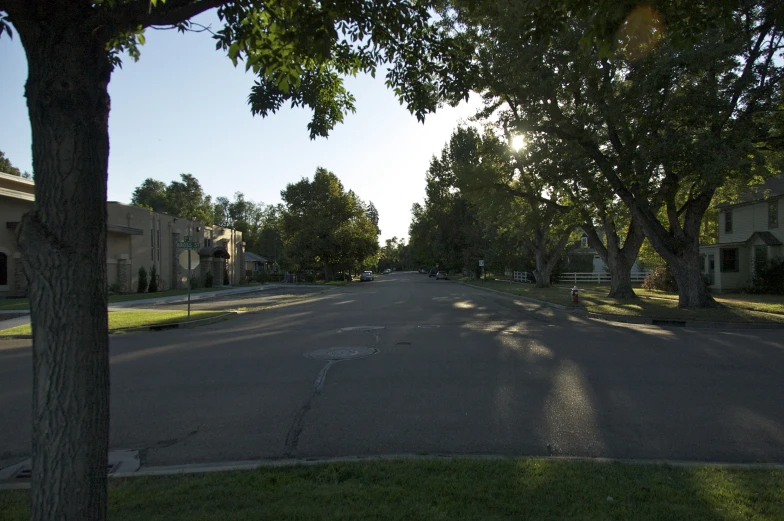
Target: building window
x,y
729,260
773,214
728,221
584,242
3,269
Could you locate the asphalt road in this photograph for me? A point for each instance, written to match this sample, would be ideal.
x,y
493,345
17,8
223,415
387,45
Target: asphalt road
x,y
458,371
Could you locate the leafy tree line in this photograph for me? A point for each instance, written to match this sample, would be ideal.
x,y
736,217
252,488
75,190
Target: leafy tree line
x,y
7,167
637,117
319,225
395,254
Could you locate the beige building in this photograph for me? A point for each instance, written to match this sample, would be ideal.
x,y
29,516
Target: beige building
x,y
135,238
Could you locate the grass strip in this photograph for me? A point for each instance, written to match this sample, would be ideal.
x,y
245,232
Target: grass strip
x,y
127,319
9,304
593,298
446,490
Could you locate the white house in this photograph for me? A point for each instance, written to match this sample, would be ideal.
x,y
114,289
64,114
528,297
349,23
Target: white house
x,y
599,265
749,234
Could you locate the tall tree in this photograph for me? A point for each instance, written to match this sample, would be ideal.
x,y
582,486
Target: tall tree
x,y
372,213
271,236
299,52
151,194
186,198
667,112
6,167
325,226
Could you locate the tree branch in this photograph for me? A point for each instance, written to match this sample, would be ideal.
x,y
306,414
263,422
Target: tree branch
x,y
180,13
129,16
751,62
532,197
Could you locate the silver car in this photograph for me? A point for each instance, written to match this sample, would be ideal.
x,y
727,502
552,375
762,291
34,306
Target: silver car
x,y
442,275
366,275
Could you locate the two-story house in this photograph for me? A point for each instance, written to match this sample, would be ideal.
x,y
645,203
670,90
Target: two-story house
x,y
750,233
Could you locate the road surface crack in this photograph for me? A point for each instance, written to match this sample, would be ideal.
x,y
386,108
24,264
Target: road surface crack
x,y
298,424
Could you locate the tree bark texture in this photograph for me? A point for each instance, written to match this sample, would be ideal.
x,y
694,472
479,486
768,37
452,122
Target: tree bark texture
x,y
63,244
680,247
546,257
621,258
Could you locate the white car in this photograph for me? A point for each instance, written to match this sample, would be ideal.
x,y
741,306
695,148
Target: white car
x,y
387,271
366,275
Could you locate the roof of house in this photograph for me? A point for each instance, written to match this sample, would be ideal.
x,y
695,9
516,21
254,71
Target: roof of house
x,y
767,237
254,257
773,187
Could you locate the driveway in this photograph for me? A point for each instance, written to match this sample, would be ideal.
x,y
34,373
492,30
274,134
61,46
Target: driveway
x,y
457,371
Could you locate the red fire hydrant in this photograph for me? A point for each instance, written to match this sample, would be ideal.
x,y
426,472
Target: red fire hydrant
x,y
575,297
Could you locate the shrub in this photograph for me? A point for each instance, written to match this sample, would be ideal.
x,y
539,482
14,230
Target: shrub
x,y
115,288
208,280
661,279
225,277
769,278
142,286
153,280
195,282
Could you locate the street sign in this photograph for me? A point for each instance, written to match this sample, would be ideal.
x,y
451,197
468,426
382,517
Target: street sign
x,y
194,258
481,264
188,245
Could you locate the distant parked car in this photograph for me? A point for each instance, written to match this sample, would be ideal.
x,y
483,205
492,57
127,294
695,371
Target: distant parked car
x,y
342,276
423,271
387,271
366,276
442,275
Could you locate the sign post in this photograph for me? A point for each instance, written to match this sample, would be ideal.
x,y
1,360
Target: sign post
x,y
188,245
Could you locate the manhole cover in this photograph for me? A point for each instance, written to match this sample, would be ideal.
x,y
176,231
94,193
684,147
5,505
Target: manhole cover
x,y
342,353
361,328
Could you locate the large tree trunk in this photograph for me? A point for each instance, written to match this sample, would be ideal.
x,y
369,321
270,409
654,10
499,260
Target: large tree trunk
x,y
692,290
620,266
63,242
620,259
547,255
679,246
544,268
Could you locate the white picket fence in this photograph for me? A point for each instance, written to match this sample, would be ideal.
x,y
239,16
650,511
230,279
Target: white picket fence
x,y
522,276
576,277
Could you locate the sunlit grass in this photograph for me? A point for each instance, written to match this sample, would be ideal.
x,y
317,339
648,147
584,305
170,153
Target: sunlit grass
x,y
127,319
655,304
447,490
23,303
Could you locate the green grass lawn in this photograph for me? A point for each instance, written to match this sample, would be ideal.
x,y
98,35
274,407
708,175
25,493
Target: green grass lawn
x,y
23,303
126,319
484,490
656,304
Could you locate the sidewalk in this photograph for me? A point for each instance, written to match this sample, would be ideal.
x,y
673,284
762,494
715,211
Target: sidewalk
x,y
141,304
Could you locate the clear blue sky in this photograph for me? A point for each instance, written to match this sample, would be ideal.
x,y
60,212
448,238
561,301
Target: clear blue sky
x,y
183,108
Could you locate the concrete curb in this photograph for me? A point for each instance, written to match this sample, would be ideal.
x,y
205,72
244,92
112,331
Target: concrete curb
x,y
204,468
696,324
227,315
